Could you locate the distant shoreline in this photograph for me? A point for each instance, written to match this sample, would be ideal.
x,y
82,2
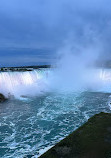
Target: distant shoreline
x,y
24,68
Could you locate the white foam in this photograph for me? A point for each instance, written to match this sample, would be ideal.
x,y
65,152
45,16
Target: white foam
x,y
42,151
109,102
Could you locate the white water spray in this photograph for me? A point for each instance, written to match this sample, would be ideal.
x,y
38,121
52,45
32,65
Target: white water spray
x,y
23,83
39,82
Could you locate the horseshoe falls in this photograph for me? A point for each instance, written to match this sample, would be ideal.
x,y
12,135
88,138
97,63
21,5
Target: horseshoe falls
x,y
38,114
23,83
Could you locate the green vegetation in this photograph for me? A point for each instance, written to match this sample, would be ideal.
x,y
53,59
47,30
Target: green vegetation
x,y
1,69
24,68
91,140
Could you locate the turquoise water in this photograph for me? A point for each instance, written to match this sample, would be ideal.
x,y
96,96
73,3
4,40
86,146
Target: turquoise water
x,y
29,125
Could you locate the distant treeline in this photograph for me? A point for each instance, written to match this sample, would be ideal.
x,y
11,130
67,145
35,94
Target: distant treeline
x,y
36,67
24,68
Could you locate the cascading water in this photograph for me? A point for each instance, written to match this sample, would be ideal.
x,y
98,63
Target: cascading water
x,y
32,83
105,74
105,80
27,83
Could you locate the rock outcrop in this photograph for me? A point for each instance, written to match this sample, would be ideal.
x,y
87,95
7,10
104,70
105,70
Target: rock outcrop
x,y
2,98
91,140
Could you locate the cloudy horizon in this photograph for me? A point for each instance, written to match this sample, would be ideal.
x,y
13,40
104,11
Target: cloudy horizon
x,y
45,25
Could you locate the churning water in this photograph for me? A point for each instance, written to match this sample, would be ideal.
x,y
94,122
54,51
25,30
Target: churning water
x,y
36,116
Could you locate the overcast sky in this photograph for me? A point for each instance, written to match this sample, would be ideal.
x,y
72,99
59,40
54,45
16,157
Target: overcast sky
x,y
28,26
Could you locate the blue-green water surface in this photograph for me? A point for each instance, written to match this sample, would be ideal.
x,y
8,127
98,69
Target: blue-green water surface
x,y
28,125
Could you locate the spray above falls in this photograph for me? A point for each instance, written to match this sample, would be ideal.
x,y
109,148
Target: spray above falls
x,y
75,71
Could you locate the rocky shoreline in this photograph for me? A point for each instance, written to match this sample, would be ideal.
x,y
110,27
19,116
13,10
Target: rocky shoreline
x,y
91,140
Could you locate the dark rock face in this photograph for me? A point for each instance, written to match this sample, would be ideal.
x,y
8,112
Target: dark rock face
x,y
91,140
2,98
63,150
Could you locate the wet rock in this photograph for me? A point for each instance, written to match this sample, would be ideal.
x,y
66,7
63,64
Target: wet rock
x,y
2,98
64,150
91,140
109,129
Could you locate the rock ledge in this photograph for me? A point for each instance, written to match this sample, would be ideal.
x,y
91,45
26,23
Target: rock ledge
x,y
91,140
2,98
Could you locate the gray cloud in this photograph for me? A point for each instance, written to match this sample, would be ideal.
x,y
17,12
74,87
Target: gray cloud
x,y
42,24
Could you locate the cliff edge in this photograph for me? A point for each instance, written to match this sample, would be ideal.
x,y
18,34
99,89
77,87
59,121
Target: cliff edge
x,y
91,140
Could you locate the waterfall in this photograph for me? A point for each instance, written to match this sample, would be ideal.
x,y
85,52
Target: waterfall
x,y
32,83
105,74
23,83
